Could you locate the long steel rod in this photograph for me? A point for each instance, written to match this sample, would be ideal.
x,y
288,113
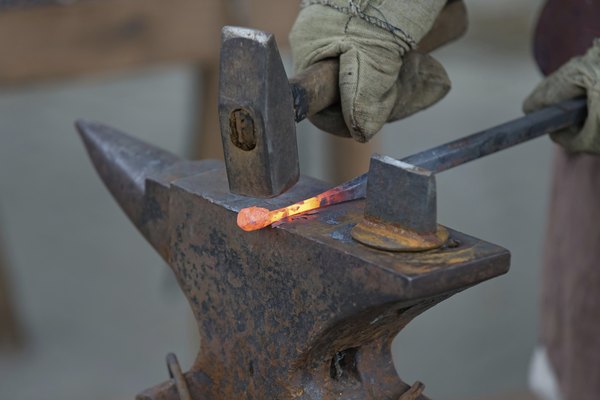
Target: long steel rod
x,y
489,141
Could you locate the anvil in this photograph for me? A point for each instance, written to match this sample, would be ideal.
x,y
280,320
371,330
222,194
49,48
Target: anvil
x,y
299,311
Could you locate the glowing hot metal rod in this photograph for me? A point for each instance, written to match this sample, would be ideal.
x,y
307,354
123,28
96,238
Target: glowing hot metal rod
x,y
254,218
437,159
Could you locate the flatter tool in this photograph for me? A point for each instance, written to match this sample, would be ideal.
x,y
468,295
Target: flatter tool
x,y
259,107
408,203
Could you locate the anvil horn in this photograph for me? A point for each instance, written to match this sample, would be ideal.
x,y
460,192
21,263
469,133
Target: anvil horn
x,y
138,176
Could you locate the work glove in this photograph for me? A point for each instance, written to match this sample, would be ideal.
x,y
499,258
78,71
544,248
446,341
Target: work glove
x,y
372,38
578,77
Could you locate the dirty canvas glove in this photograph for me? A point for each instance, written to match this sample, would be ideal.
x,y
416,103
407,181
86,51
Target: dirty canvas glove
x,y
578,77
371,38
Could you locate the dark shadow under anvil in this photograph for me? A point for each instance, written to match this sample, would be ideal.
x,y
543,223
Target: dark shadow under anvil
x,y
300,311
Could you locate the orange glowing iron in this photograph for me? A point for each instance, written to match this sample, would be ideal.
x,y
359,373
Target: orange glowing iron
x,y
255,218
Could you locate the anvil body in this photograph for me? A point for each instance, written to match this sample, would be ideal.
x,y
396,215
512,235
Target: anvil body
x,y
299,311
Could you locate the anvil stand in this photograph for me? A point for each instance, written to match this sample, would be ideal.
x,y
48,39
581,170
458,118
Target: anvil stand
x,y
299,311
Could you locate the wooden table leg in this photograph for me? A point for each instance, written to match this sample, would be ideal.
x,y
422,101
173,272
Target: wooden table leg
x,y
208,139
10,332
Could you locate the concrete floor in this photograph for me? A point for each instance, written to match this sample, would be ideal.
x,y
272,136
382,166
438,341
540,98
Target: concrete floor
x,y
100,308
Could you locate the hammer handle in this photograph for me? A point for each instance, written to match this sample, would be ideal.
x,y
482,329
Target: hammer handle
x,y
317,88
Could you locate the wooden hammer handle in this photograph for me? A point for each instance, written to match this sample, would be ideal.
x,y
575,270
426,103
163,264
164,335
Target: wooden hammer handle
x,y
316,88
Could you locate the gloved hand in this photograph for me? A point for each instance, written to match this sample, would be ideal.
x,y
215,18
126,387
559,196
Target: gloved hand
x,y
371,39
578,77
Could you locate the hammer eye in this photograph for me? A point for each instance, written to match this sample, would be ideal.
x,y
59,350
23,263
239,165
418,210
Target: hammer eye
x,y
242,130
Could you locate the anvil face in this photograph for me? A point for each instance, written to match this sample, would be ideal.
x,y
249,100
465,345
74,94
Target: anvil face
x,y
300,311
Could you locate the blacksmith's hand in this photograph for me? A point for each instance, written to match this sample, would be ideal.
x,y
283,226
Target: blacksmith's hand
x,y
578,77
380,78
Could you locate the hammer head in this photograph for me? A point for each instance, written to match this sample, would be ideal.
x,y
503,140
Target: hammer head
x,y
256,115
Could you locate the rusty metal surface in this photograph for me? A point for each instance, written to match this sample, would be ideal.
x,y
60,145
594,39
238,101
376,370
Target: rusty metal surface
x,y
300,311
387,236
140,175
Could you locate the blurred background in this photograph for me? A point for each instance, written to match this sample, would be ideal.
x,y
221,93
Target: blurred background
x,y
87,308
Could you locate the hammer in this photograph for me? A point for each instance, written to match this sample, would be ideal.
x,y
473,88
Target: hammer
x,y
259,107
